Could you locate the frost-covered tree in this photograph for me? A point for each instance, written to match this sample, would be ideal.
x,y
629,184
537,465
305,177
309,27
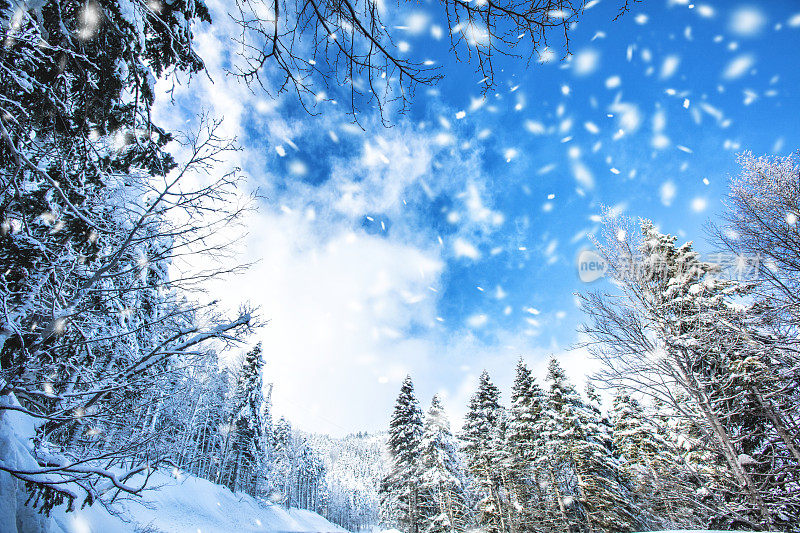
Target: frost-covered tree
x,y
666,488
589,490
759,224
283,462
603,486
524,441
444,491
354,466
400,489
248,428
286,45
96,327
486,456
201,443
691,338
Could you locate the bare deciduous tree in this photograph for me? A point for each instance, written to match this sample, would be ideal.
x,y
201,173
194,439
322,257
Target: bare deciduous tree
x,y
313,46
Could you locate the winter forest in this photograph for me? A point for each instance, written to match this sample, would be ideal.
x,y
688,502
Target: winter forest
x,y
309,266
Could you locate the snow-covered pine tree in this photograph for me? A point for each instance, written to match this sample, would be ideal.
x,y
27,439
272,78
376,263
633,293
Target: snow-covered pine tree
x,y
400,489
444,493
664,484
249,422
709,328
523,437
585,481
487,460
283,463
553,459
603,487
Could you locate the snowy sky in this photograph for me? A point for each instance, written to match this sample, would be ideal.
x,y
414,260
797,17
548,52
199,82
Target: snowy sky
x,y
447,243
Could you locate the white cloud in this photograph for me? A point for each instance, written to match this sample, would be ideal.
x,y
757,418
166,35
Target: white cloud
x,y
336,303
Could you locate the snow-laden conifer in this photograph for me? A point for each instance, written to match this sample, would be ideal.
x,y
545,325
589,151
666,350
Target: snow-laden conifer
x,y
400,489
444,491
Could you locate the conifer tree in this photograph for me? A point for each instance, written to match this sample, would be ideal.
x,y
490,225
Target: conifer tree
x,y
590,493
688,335
444,501
247,444
400,489
664,486
486,459
523,437
283,463
553,459
603,487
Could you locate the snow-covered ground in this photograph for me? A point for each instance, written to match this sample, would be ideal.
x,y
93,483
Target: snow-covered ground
x,y
193,505
177,503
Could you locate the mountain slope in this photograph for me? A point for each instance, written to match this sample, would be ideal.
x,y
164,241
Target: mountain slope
x,y
188,504
174,503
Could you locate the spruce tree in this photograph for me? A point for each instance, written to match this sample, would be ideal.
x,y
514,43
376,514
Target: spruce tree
x,y
686,333
486,458
723,358
283,465
553,460
663,485
587,491
247,445
603,487
400,489
444,498
523,438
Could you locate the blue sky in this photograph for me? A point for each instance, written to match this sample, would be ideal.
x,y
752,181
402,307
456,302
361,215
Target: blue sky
x,y
447,243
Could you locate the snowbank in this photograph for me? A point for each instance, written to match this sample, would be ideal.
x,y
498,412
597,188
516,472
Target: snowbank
x,y
191,505
176,503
